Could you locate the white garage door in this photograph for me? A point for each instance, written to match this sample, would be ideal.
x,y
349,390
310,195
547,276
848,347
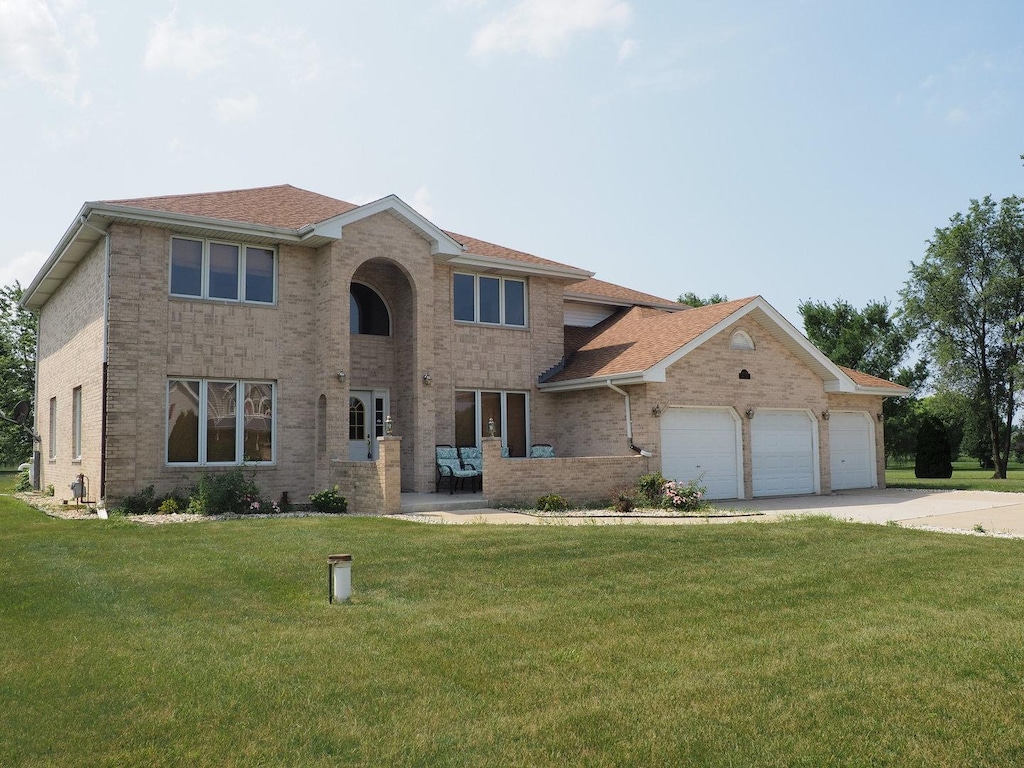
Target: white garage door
x,y
782,452
851,446
703,443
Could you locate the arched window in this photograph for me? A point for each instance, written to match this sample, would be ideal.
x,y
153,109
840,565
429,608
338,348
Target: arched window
x,y
741,340
367,313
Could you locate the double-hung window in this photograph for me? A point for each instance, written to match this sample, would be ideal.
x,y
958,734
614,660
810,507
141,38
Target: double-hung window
x,y
489,299
220,422
211,269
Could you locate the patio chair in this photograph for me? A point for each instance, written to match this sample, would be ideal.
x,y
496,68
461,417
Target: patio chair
x,y
542,451
473,457
449,466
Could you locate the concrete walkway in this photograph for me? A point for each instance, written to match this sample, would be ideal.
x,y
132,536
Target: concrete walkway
x,y
995,513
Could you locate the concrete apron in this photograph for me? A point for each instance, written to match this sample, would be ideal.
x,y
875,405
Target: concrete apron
x,y
995,513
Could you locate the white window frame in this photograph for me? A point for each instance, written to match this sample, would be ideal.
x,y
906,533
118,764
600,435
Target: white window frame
x,y
76,424
204,290
501,300
239,422
478,428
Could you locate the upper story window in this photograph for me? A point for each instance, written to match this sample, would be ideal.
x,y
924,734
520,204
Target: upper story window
x,y
490,300
210,269
367,312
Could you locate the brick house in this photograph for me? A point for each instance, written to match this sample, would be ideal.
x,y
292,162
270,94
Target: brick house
x,y
279,329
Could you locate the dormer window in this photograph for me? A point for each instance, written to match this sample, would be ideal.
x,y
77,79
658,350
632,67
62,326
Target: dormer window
x,y
741,340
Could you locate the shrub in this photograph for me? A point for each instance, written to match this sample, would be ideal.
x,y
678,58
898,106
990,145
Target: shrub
x,y
624,501
329,501
552,503
649,489
169,506
141,503
685,496
49,490
227,493
283,503
24,481
932,450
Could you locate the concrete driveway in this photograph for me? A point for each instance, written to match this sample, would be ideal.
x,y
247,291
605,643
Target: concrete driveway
x,y
996,513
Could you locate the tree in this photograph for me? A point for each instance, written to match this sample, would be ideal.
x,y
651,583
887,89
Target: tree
x,y
966,298
17,372
873,341
694,300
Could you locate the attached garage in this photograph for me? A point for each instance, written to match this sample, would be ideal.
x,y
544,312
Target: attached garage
x,y
783,451
703,443
851,438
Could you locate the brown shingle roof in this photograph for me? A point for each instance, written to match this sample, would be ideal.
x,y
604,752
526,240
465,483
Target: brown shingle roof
x,y
484,248
281,206
599,289
289,207
867,380
641,338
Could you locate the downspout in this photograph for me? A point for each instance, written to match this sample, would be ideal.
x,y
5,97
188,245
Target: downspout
x,y
106,321
629,418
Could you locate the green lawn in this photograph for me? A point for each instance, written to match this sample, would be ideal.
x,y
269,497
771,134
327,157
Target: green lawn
x,y
966,476
810,643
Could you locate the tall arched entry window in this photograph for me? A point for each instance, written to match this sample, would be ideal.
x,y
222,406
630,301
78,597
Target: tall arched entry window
x,y
367,312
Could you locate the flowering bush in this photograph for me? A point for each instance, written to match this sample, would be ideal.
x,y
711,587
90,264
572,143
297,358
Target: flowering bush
x,y
685,496
329,501
228,492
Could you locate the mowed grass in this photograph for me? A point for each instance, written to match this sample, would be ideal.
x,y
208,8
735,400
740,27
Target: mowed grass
x,y
966,476
810,642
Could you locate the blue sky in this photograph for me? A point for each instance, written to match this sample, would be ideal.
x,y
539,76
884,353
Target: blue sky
x,y
793,149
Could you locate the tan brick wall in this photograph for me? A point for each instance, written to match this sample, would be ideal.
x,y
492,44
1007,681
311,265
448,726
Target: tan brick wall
x,y
578,479
474,356
71,355
371,487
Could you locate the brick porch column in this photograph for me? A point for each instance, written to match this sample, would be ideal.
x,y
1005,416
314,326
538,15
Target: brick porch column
x,y
389,469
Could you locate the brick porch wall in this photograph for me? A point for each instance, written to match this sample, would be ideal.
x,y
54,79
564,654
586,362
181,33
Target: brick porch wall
x,y
372,487
579,479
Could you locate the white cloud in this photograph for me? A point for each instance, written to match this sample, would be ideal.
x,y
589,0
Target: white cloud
x,y
627,49
193,51
203,48
233,109
34,43
545,27
421,202
21,268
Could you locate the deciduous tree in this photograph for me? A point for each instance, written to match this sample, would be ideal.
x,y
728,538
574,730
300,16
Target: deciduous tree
x,y
17,372
966,298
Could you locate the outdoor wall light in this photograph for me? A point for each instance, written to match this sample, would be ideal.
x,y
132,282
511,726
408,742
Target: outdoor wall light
x,y
427,378
341,376
656,411
750,413
389,426
825,415
879,415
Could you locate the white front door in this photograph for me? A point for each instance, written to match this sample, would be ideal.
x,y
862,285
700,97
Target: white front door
x,y
366,413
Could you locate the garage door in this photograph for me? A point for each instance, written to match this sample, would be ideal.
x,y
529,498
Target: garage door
x,y
704,443
851,446
782,452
